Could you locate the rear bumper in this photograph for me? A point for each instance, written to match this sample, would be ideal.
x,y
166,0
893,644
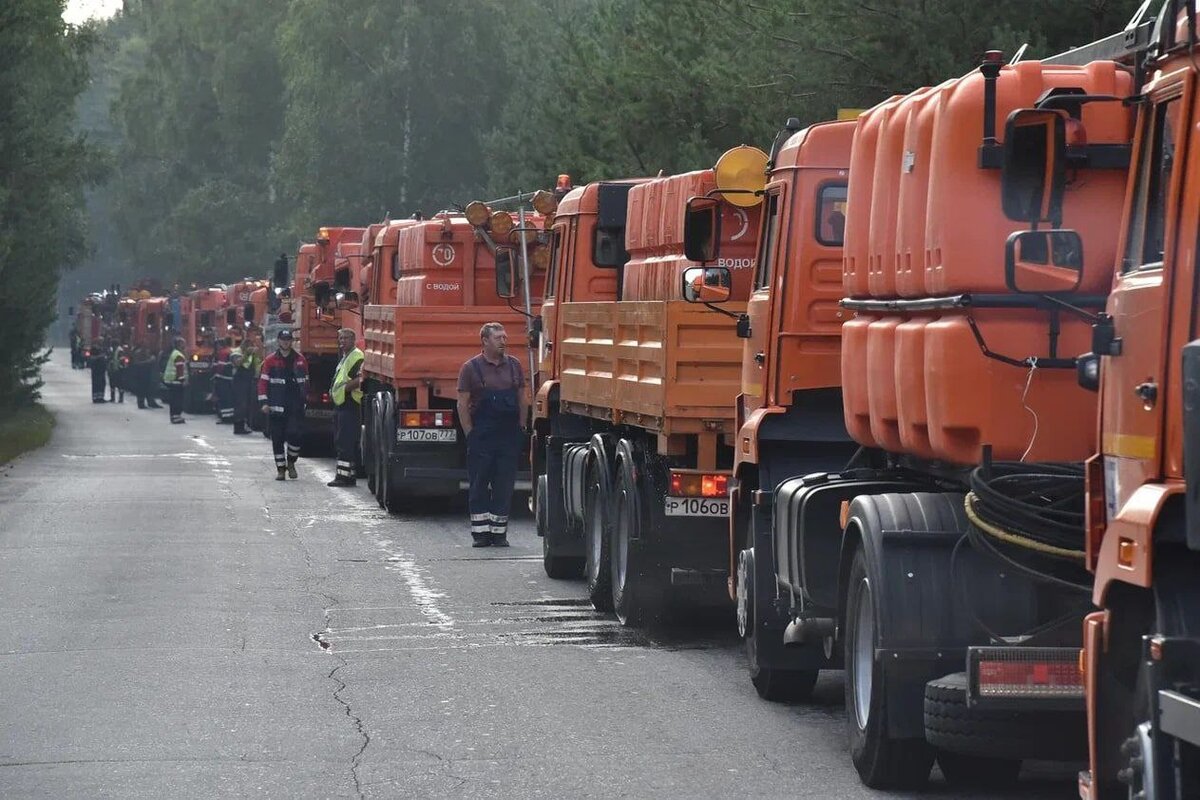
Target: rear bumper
x,y
437,467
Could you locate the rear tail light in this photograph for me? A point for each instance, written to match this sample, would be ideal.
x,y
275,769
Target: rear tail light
x,y
1026,673
699,484
325,397
427,419
87,353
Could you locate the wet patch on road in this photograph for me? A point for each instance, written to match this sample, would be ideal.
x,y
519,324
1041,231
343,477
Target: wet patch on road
x,y
543,622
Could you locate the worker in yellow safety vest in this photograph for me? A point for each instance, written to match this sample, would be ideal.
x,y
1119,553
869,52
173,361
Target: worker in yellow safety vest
x,y
347,400
175,376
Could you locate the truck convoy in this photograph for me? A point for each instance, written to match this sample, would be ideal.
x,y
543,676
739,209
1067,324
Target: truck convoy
x,y
950,454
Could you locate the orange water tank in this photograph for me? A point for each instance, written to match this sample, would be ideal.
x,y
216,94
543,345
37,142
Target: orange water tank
x,y
913,178
885,191
654,238
966,228
973,400
856,403
882,383
856,252
912,413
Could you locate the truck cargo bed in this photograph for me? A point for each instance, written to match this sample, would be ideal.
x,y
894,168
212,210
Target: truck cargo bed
x,y
422,345
663,365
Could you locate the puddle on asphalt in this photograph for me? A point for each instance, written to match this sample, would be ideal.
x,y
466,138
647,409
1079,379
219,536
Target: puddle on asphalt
x,y
566,622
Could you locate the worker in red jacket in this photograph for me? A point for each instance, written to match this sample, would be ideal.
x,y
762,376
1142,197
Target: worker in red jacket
x,y
282,385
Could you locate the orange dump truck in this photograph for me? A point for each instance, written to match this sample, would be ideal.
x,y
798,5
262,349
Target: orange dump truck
x,y
202,320
634,414
1141,656
433,286
324,300
940,566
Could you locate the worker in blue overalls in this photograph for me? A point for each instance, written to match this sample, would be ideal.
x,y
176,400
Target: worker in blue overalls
x,y
493,408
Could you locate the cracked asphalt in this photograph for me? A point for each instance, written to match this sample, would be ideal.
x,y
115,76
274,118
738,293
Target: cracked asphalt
x,y
177,624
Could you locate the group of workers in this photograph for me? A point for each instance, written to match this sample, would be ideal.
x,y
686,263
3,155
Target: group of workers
x,y
492,407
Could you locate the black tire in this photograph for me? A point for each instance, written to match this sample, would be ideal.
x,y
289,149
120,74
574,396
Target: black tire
x,y
882,762
560,568
962,732
382,408
597,569
775,685
637,593
394,498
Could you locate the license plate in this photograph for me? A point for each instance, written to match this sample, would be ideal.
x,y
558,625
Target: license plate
x,y
427,435
318,413
696,507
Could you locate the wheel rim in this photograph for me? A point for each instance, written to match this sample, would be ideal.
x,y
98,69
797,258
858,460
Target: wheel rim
x,y
864,653
621,545
745,593
595,534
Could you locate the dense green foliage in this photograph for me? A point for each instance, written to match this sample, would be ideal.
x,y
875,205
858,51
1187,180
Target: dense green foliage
x,y
241,126
26,428
43,168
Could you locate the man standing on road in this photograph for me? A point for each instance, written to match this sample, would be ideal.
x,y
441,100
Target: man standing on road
x,y
347,400
492,408
98,363
143,378
281,389
175,376
243,386
222,382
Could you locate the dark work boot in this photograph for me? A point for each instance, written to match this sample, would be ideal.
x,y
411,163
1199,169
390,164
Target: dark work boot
x,y
281,474
481,540
342,480
498,539
291,470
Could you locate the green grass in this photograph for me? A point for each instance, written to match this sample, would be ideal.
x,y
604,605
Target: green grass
x,y
27,428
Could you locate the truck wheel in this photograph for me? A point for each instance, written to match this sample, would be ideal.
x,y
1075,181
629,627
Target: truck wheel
x,y
383,405
882,762
393,496
597,570
560,568
776,685
368,453
636,596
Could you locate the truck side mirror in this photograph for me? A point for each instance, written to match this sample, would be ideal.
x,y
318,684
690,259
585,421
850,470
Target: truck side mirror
x,y
707,284
702,229
1043,262
1033,175
506,274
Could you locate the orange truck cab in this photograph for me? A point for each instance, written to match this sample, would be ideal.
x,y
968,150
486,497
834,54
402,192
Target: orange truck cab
x,y
433,286
125,320
1141,649
151,323
241,311
202,315
324,300
921,566
789,410
634,413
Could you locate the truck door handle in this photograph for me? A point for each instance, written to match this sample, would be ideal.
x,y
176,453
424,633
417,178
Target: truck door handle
x,y
760,357
1148,391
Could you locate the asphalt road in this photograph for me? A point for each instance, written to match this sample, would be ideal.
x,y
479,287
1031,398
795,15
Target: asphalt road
x,y
177,624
